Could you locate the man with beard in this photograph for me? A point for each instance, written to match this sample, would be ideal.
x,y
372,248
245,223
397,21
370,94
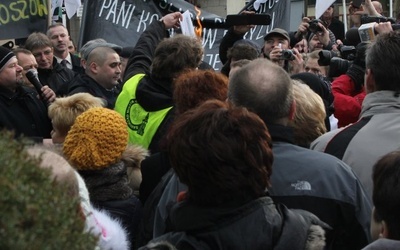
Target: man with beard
x,y
21,109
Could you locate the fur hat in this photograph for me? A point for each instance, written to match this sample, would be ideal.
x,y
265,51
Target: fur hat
x,y
5,56
64,110
97,139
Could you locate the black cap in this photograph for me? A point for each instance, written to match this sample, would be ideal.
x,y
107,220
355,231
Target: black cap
x,y
278,31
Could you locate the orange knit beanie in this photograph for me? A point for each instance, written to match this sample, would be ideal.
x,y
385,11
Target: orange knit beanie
x,y
96,140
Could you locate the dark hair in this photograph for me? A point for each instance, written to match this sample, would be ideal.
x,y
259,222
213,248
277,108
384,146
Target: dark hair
x,y
382,59
196,86
242,51
386,192
174,55
264,88
240,63
222,153
37,40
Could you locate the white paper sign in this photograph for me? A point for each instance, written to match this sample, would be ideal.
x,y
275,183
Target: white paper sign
x,y
321,6
187,25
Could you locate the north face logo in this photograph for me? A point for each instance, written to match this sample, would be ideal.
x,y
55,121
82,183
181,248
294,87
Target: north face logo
x,y
301,185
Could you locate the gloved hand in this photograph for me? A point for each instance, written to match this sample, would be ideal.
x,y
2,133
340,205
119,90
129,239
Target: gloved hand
x,y
356,73
357,70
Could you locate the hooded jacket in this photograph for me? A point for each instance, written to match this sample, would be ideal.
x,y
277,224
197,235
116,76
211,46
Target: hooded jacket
x,y
258,224
152,93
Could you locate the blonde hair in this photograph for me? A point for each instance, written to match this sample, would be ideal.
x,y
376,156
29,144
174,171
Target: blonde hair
x,y
309,121
64,110
315,55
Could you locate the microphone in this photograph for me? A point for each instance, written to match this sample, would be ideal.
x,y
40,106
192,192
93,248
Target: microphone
x,y
32,76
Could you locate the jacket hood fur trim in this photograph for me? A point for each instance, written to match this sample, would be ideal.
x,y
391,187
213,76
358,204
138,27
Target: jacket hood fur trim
x,y
133,157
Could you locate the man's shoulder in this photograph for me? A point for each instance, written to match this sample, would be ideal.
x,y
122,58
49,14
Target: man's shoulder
x,y
310,160
321,142
80,83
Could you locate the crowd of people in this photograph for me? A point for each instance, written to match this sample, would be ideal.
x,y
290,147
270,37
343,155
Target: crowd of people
x,y
292,145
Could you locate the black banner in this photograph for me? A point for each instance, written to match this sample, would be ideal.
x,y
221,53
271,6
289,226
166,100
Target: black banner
x,y
19,18
122,21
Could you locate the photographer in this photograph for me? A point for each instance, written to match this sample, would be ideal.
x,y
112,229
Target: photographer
x,y
369,8
276,41
333,23
348,89
376,131
318,36
276,48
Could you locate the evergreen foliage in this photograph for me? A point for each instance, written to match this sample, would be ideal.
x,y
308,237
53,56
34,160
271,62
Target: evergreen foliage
x,y
35,211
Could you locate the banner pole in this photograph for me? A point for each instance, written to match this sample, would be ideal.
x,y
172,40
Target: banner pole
x,y
345,16
391,8
50,15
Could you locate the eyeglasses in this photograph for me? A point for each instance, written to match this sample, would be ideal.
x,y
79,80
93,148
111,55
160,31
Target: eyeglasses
x,y
40,54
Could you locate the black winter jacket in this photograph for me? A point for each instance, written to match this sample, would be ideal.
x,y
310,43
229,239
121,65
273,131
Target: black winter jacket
x,y
23,113
259,224
58,78
85,84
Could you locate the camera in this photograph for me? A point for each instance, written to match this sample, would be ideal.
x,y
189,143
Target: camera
x,y
339,66
313,25
367,29
346,52
338,63
325,57
376,19
287,54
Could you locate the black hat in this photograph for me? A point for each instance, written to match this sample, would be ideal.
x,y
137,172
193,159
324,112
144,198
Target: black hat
x,y
5,56
278,31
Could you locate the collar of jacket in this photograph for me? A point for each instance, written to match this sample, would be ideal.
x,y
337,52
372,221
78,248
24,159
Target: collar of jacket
x,y
280,133
380,102
186,216
55,67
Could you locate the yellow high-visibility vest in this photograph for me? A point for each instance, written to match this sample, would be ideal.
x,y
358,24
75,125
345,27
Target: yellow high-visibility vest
x,y
142,125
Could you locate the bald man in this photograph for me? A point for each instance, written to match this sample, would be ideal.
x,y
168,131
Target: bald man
x,y
102,74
